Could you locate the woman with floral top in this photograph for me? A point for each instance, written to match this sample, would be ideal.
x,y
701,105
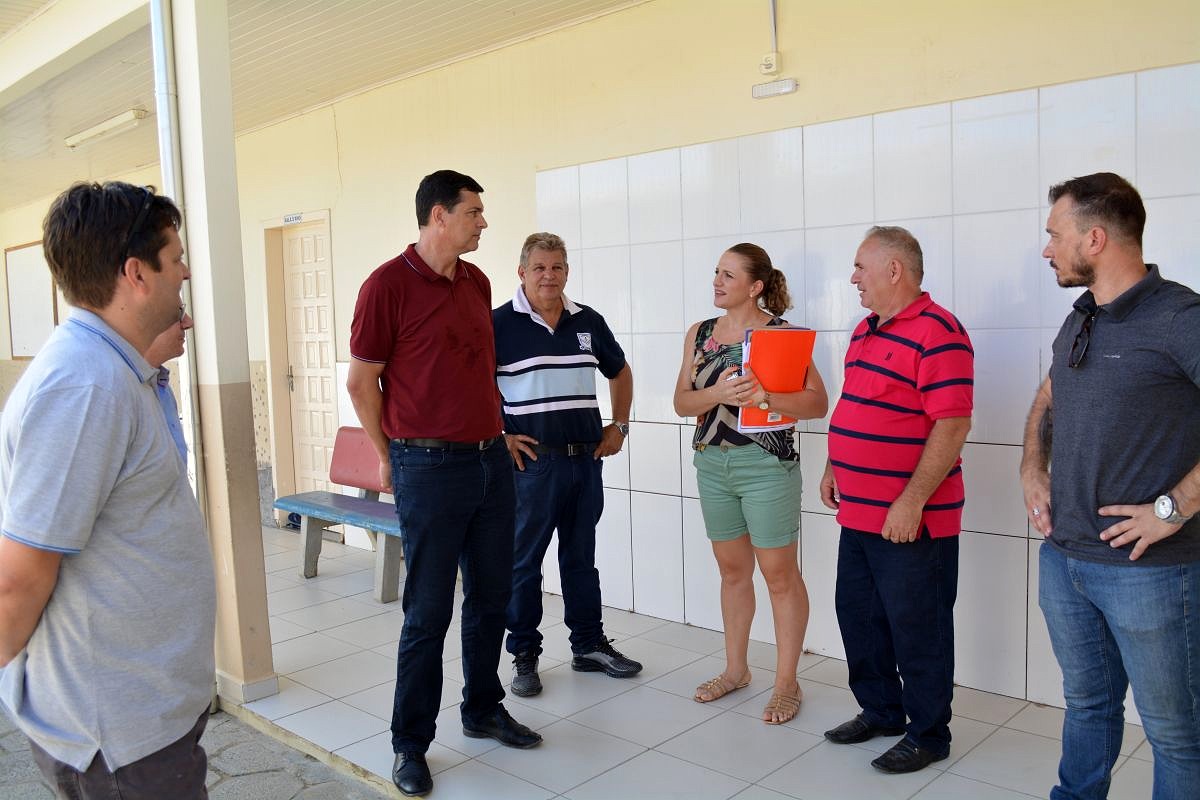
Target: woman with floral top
x,y
749,482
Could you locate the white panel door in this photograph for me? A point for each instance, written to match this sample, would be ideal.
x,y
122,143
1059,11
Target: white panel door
x,y
308,280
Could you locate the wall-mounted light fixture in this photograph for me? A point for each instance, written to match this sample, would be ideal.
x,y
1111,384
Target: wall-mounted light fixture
x,y
774,88
125,121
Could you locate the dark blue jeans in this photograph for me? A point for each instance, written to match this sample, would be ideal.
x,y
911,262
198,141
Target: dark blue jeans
x,y
456,510
895,607
565,493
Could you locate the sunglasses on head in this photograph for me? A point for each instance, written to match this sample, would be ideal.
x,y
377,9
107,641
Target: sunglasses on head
x,y
138,222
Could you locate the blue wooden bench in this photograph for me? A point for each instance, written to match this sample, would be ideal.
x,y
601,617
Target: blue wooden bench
x,y
354,464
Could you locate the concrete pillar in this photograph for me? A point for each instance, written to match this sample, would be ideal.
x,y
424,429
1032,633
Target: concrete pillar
x,y
244,667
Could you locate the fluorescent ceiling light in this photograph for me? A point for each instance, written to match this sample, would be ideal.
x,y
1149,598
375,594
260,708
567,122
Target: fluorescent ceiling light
x,y
125,121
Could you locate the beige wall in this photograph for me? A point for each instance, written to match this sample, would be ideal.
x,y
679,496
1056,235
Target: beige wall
x,y
22,225
662,74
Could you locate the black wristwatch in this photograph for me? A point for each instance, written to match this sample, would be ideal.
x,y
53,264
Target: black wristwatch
x,y
623,427
1166,509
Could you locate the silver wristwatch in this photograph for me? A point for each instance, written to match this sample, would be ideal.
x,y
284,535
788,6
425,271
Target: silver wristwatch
x,y
1166,509
623,427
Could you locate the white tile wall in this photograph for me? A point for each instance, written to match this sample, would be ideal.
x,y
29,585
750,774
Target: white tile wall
x,y
616,470
813,453
829,356
771,180
1046,337
558,203
654,458
1045,677
912,163
655,360
996,261
786,249
1168,161
819,535
603,203
996,153
991,586
700,258
1055,300
686,452
1086,127
839,180
831,303
995,503
655,200
701,579
574,287
606,285
656,522
970,180
709,176
614,550
936,235
1172,238
1006,377
656,271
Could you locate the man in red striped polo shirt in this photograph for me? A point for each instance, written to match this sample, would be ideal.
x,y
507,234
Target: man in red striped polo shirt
x,y
895,480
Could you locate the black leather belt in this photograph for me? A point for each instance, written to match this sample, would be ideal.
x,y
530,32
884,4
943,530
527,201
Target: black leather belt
x,y
444,444
578,449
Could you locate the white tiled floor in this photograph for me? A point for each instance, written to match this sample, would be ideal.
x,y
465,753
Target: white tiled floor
x,y
335,653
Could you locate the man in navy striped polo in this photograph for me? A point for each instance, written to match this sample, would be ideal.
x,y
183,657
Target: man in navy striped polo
x,y
895,480
547,351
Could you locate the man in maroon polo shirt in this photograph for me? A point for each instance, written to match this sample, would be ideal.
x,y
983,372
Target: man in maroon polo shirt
x,y
893,476
422,380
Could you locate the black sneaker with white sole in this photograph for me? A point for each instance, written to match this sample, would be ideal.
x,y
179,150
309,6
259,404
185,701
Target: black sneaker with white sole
x,y
605,658
525,680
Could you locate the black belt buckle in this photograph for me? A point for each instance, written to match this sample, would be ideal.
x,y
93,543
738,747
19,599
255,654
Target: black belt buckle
x,y
444,444
570,450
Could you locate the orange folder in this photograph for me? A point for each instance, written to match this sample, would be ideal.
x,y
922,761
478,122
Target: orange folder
x,y
779,358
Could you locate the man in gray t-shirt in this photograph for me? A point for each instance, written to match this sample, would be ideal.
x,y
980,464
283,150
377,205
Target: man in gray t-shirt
x,y
1111,479
107,600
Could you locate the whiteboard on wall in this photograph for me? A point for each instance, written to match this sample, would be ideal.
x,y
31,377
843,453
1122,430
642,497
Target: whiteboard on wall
x,y
32,299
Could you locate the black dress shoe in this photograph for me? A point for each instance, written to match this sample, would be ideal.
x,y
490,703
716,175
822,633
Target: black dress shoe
x,y
906,757
503,728
859,730
411,775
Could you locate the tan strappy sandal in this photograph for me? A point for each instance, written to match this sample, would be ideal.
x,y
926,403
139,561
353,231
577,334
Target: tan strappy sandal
x,y
718,687
782,707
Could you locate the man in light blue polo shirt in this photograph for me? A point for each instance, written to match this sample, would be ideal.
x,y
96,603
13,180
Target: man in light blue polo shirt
x,y
107,601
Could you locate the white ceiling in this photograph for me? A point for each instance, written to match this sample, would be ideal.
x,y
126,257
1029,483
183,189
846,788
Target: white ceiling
x,y
287,56
14,12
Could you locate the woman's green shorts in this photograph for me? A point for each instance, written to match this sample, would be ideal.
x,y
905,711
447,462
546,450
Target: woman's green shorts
x,y
747,489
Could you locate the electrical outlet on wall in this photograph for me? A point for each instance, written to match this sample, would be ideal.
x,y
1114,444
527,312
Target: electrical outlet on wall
x,y
769,64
